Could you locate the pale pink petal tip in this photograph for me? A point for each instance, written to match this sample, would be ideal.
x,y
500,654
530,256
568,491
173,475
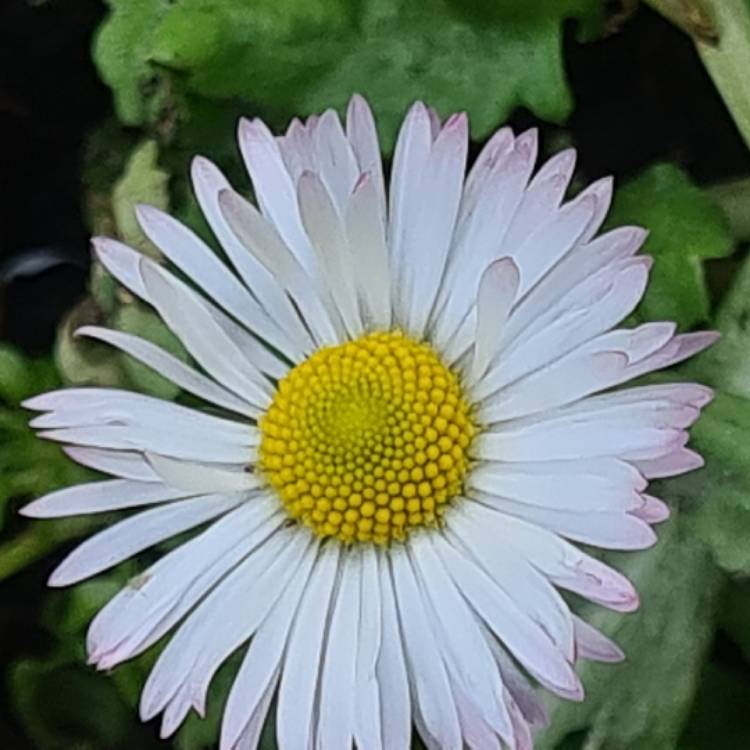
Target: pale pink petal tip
x,y
652,511
593,645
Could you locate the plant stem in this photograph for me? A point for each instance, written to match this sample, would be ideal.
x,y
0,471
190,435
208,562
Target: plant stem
x,y
720,30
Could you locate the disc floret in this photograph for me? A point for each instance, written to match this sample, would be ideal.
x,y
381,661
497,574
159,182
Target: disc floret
x,y
368,440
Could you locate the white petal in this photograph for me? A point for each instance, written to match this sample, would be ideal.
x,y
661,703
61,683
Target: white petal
x,y
260,237
367,718
334,158
553,240
170,367
295,716
297,148
98,497
250,736
431,693
526,640
652,510
203,338
498,288
586,485
542,197
518,688
153,602
564,564
196,445
363,136
192,256
595,306
261,666
225,619
468,658
530,590
581,263
76,407
111,418
325,228
677,462
409,160
274,189
195,477
125,264
338,671
127,538
208,183
560,440
391,670
365,231
610,530
487,208
594,645
429,230
125,464
122,262
603,362
601,190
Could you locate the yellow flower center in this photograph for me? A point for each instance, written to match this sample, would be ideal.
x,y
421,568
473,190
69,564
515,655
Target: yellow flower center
x,y
368,440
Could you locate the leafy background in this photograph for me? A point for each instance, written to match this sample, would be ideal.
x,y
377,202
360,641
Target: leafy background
x,y
101,106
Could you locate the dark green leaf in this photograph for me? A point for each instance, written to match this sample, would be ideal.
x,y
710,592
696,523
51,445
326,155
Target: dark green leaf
x,y
64,706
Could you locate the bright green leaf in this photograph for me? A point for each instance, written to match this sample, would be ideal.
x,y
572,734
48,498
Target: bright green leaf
x,y
286,58
122,53
409,51
685,229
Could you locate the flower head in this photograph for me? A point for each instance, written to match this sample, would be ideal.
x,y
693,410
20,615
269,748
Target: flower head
x,y
409,415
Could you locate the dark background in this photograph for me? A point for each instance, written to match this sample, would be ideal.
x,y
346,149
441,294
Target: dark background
x,y
641,95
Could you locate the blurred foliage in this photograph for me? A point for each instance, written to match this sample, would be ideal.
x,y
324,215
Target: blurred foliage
x,y
180,74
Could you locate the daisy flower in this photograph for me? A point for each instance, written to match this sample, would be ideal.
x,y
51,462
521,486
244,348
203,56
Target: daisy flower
x,y
410,416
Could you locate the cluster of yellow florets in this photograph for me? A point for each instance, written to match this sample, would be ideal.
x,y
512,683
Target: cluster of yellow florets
x,y
367,440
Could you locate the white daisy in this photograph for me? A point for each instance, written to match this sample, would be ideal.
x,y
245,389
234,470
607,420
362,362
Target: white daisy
x,y
409,414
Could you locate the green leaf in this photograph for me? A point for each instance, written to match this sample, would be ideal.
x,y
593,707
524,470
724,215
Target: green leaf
x,y
735,616
685,228
143,181
286,58
122,51
642,703
720,714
